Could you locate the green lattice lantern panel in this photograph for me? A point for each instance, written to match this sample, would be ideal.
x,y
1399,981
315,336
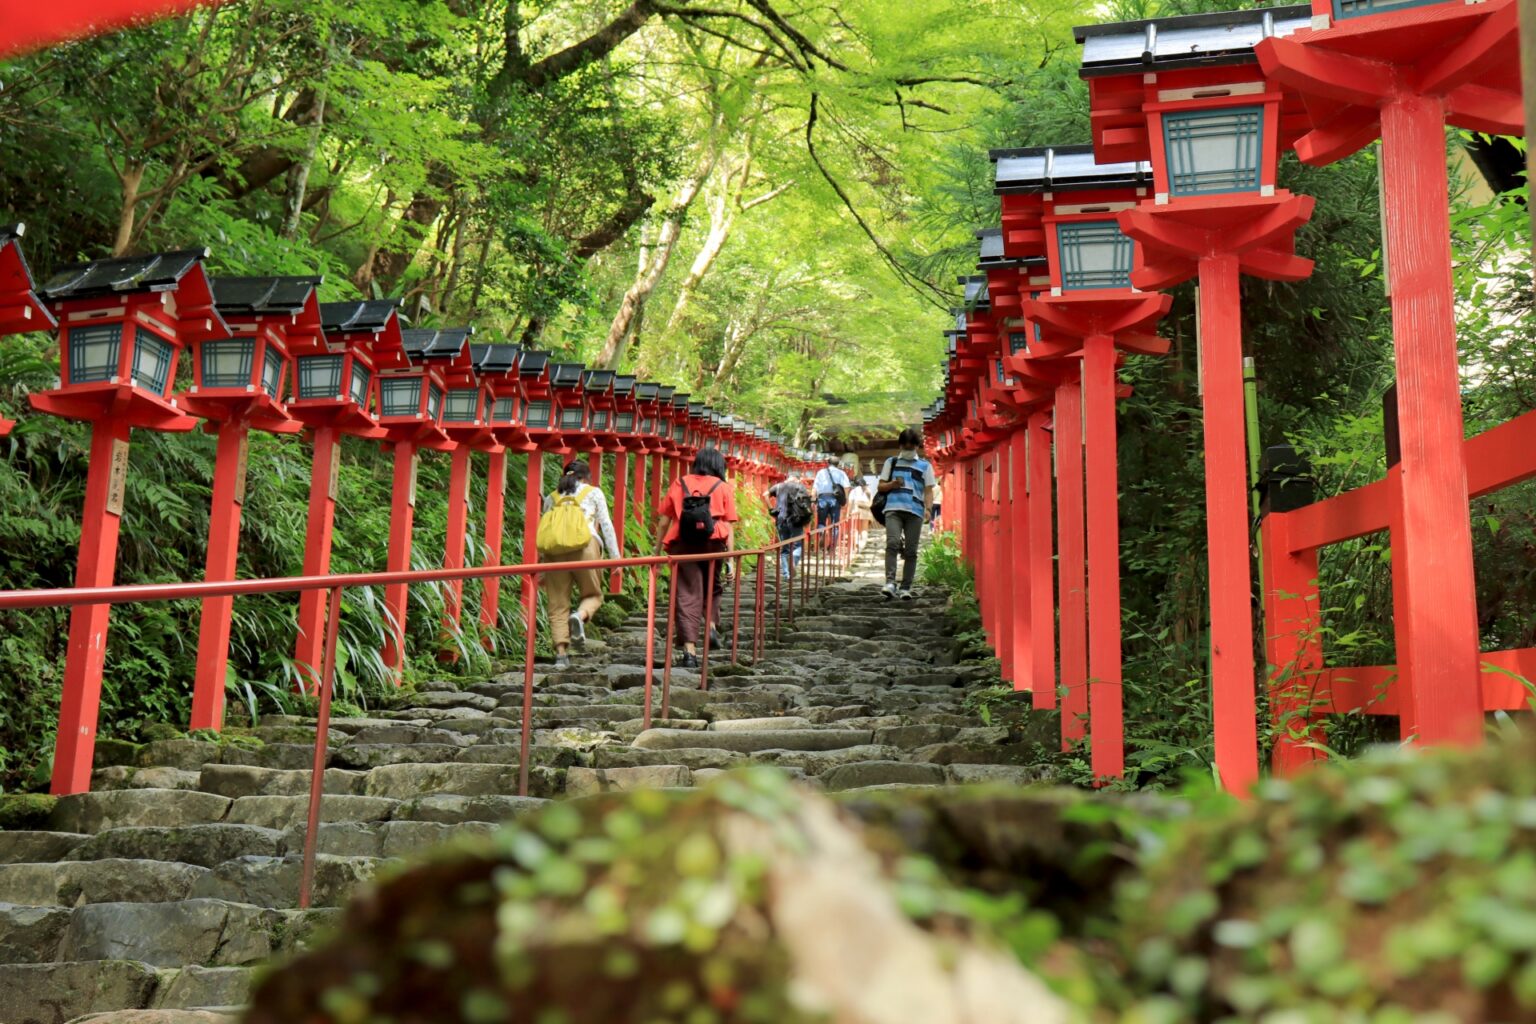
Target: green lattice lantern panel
x,y
1214,150
1343,9
1094,254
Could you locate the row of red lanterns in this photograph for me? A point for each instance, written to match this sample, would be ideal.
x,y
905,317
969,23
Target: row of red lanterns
x,y
267,355
1189,117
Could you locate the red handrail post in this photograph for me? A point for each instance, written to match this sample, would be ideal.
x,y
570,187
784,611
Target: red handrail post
x,y
75,747
650,642
223,546
326,687
1072,594
495,523
736,613
530,642
707,626
666,670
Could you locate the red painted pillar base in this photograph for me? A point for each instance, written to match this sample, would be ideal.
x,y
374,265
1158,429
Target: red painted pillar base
x,y
1440,648
458,521
75,744
1227,525
402,519
223,548
495,523
1042,595
1020,568
1294,647
1072,562
1105,697
658,470
638,490
309,648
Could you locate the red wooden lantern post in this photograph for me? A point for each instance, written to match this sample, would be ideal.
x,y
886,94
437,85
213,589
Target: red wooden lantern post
x,y
1402,70
649,431
333,394
540,414
1187,93
123,325
682,451
21,310
467,421
499,366
411,392
1074,200
238,383
623,440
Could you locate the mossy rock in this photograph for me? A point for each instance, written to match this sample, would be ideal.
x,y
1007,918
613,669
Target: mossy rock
x,y
611,615
110,752
748,902
152,731
25,812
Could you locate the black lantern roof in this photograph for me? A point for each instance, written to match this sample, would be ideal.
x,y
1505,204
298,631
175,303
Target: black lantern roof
x,y
647,392
623,385
157,272
958,329
698,409
565,375
433,344
494,358
368,315
598,381
1063,169
680,401
532,363
665,392
977,297
992,254
1190,40
258,296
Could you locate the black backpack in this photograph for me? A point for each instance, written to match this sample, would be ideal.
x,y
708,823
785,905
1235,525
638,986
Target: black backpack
x,y
798,509
696,526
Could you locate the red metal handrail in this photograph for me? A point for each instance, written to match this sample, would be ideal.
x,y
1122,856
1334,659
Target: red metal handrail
x,y
828,557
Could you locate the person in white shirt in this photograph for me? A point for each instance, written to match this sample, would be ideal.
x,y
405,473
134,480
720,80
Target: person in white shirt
x,y
566,625
830,488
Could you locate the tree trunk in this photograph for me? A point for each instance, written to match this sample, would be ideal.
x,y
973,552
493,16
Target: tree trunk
x,y
298,175
131,177
721,216
661,254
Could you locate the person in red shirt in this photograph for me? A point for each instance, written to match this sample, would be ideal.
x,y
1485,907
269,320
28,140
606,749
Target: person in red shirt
x,y
706,479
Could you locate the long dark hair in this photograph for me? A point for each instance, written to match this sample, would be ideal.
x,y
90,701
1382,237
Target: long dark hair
x,y
709,462
576,474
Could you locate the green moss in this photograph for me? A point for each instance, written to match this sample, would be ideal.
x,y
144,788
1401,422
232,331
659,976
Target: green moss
x,y
611,615
25,812
113,752
152,731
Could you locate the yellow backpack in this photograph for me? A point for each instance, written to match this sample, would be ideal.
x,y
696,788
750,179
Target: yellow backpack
x,y
563,530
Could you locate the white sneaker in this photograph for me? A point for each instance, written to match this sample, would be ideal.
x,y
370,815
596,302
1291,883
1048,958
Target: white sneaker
x,y
888,591
906,595
578,631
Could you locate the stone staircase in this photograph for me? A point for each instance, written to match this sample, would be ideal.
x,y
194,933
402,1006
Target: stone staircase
x,y
169,883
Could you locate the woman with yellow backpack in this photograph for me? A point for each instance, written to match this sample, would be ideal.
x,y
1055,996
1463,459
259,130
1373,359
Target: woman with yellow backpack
x,y
574,527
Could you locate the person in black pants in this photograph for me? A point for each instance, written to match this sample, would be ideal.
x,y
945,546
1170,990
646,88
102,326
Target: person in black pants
x,y
907,481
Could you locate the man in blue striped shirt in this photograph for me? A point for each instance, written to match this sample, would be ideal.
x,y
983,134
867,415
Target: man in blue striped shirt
x,y
907,481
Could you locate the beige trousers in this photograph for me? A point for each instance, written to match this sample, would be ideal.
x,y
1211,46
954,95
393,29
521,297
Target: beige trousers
x,y
557,593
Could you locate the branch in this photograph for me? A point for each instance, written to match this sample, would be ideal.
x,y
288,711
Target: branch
x,y
956,79
917,284
766,197
578,55
807,48
690,13
618,222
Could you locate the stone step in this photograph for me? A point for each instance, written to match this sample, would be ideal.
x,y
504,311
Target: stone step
x,y
747,741
861,774
95,812
202,845
114,880
24,847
